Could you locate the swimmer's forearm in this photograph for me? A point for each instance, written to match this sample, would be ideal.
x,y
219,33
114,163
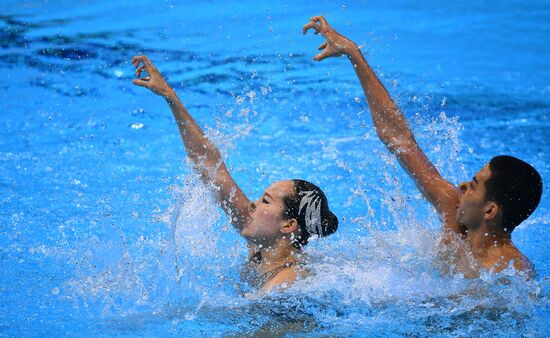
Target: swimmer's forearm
x,y
394,131
204,154
390,124
208,162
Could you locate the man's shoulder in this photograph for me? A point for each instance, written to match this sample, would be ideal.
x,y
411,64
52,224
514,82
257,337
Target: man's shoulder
x,y
506,257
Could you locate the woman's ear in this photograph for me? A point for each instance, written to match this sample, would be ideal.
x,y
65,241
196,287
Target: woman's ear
x,y
289,226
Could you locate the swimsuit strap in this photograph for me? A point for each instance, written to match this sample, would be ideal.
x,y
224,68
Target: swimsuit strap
x,y
267,276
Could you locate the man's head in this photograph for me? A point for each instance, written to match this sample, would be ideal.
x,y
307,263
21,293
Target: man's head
x,y
516,187
505,192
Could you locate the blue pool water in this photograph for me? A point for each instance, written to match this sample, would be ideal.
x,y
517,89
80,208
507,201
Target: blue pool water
x,y
106,232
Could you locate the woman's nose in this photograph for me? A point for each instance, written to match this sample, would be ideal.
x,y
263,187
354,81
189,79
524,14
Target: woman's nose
x,y
251,207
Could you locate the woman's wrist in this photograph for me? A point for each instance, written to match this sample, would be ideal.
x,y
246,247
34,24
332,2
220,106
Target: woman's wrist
x,y
170,96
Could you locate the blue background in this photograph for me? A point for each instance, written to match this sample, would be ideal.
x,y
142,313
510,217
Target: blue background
x,y
105,231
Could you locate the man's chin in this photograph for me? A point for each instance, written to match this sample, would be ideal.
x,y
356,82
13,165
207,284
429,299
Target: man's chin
x,y
246,235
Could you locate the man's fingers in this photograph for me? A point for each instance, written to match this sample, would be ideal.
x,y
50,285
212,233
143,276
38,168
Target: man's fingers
x,y
322,46
309,25
321,56
320,19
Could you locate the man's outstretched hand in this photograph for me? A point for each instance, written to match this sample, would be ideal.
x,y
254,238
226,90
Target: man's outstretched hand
x,y
154,81
335,45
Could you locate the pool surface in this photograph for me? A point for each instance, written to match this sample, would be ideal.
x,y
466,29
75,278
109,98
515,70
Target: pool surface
x,y
105,230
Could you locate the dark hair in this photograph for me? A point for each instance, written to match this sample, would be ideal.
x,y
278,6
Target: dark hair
x,y
516,187
307,200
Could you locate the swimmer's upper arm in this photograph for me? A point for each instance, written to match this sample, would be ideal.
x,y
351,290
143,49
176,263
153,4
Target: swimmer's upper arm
x,y
232,199
282,280
203,153
393,130
438,191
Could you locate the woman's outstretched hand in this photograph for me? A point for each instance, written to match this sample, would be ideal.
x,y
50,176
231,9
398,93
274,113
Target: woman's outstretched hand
x,y
335,45
154,81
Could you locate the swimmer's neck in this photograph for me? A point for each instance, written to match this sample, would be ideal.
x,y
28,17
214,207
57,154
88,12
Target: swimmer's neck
x,y
485,238
278,254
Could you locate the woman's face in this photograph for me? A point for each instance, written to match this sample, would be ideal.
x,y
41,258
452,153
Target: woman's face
x,y
266,215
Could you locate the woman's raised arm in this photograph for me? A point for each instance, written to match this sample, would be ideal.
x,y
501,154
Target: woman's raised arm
x,y
203,153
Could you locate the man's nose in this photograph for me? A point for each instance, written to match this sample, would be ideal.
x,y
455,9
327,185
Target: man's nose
x,y
463,187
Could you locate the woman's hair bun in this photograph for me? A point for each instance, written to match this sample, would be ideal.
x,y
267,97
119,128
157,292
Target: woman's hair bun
x,y
329,223
309,206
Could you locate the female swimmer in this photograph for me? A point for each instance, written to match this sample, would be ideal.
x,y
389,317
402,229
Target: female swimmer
x,y
277,225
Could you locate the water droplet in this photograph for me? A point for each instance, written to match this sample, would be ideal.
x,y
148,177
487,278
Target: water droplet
x,y
251,95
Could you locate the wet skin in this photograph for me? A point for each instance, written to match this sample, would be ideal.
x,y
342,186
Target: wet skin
x,y
260,222
464,212
265,223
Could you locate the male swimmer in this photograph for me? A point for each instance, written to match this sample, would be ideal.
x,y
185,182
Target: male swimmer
x,y
482,212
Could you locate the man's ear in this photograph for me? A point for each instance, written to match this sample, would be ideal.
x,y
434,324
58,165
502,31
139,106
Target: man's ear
x,y
289,226
491,211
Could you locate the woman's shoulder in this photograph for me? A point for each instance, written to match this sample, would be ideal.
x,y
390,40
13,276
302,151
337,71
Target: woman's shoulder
x,y
286,277
281,280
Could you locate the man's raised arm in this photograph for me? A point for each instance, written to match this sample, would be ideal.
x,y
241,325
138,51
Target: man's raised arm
x,y
390,124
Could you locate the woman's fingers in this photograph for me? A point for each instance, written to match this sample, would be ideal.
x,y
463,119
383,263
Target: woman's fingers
x,y
142,82
148,66
136,60
139,70
323,46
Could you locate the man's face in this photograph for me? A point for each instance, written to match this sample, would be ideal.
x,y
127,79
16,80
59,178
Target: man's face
x,y
471,207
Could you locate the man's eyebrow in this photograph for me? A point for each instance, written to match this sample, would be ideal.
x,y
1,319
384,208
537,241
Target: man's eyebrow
x,y
475,179
266,194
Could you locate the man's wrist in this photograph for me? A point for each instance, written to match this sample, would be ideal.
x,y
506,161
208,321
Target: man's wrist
x,y
354,53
